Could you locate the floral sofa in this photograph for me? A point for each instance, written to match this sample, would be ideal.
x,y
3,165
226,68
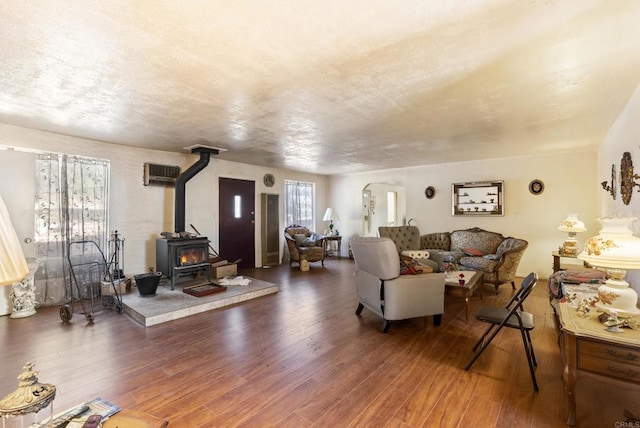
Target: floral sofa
x,y
496,256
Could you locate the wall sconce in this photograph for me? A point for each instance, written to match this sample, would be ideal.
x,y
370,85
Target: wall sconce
x,y
611,188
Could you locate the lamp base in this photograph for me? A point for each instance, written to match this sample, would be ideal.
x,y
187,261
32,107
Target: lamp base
x,y
616,295
569,248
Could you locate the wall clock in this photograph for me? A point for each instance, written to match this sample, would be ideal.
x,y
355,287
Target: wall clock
x,y
269,180
429,192
536,187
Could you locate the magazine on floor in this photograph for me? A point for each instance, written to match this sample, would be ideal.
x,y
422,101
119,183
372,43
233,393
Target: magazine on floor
x,y
76,416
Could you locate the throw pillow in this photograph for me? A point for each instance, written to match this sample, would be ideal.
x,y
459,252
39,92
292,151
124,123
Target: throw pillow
x,y
492,256
472,252
300,237
308,242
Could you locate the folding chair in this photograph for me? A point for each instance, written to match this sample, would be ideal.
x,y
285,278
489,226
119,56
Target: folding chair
x,y
512,316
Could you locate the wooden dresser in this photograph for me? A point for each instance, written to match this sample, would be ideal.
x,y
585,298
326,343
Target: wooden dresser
x,y
585,345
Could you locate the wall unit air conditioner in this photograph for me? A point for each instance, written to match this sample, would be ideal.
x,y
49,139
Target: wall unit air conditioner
x,y
160,175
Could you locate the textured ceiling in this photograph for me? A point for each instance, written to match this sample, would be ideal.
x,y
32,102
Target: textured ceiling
x,y
326,87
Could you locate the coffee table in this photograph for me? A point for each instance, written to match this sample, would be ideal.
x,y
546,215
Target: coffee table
x,y
473,281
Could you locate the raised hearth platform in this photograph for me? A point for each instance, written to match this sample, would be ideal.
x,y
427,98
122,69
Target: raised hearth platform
x,y
169,305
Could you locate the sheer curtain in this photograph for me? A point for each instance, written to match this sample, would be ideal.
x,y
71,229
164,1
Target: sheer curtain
x,y
299,203
71,204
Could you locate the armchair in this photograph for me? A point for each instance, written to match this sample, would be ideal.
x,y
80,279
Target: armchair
x,y
392,296
499,268
304,245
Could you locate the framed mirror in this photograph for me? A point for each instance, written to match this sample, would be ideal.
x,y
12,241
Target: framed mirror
x,y
478,198
383,204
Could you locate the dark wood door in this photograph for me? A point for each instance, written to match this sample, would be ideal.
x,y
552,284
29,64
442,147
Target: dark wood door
x,y
237,221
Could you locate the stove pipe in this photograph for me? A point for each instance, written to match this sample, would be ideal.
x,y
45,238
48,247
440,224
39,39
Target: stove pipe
x,y
181,181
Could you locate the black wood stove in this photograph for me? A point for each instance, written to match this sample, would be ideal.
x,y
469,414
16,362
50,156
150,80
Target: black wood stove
x,y
180,253
182,256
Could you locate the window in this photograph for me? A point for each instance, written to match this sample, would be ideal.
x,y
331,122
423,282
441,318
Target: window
x,y
299,203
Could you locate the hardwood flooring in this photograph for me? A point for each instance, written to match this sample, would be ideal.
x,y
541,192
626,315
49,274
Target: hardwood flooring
x,y
301,358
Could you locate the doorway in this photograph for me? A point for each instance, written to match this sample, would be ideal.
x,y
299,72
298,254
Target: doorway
x,y
237,227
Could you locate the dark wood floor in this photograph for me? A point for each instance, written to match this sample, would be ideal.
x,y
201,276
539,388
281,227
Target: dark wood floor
x,y
301,358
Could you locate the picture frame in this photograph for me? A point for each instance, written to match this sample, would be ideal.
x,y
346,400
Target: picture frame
x,y
482,198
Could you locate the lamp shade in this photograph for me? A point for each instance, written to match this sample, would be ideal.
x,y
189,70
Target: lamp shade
x,y
572,224
616,249
330,215
13,265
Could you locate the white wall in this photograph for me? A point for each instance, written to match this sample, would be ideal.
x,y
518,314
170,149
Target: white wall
x,y
139,213
569,188
622,137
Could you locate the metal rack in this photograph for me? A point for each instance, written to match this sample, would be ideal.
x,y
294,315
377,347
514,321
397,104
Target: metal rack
x,y
89,272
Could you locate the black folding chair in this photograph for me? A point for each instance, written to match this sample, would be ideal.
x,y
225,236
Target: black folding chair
x,y
512,316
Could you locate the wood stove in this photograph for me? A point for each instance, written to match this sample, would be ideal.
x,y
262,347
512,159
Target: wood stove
x,y
181,253
182,256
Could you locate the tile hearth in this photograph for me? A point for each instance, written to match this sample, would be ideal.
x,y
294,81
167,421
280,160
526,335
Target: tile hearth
x,y
169,305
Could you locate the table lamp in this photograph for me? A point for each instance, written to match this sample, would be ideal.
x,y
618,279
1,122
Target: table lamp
x,y
30,397
330,216
571,225
616,250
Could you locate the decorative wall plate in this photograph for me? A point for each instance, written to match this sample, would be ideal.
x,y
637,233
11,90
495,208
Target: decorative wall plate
x,y
269,180
429,192
536,187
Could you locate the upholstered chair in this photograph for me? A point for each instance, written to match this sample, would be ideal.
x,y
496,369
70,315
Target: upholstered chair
x,y
499,268
381,288
304,245
403,237
407,242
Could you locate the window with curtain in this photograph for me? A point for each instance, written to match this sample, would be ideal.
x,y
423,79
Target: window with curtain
x,y
299,201
71,204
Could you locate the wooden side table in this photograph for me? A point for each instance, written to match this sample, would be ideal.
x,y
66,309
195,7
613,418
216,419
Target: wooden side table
x,y
328,250
556,260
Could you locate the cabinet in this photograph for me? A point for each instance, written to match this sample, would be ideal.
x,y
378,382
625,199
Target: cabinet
x,y
585,346
478,198
270,229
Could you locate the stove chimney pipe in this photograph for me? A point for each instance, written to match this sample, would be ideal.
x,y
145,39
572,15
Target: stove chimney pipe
x,y
181,181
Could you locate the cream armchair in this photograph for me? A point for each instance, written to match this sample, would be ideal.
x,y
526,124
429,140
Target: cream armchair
x,y
392,296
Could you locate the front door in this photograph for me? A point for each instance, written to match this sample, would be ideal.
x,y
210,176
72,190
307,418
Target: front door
x,y
237,221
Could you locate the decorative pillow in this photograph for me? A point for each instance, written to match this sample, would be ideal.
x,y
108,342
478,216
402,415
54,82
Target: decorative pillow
x,y
472,252
299,237
308,242
492,256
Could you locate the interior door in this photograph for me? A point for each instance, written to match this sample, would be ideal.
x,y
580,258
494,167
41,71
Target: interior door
x,y
237,221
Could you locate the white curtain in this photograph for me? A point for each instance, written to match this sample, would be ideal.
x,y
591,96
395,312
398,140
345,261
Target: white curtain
x,y
299,203
71,205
